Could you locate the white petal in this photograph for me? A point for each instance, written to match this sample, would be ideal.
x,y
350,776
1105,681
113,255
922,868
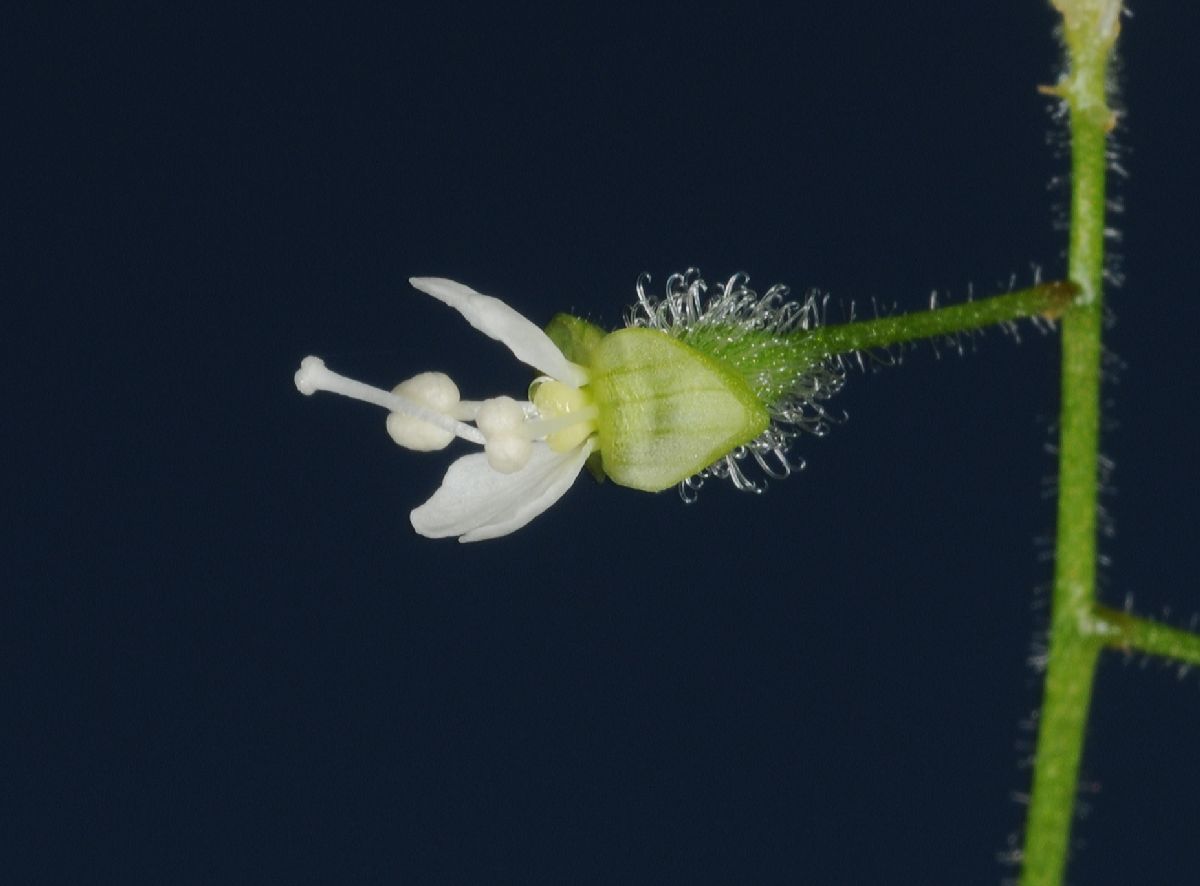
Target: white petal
x,y
474,502
497,320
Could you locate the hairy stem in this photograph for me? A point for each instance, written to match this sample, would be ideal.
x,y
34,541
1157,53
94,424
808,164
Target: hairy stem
x,y
1047,300
1132,633
1076,634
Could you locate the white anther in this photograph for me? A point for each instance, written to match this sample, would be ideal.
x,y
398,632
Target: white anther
x,y
508,447
508,452
412,433
501,416
435,390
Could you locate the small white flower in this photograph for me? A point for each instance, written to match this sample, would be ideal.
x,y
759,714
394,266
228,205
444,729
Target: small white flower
x,y
692,388
531,456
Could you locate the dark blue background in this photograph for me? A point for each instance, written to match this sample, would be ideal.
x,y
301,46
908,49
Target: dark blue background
x,y
231,660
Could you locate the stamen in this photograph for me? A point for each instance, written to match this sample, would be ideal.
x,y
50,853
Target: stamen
x,y
502,421
537,428
313,376
468,410
465,410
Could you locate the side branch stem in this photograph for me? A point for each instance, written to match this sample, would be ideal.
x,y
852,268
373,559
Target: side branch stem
x,y
1133,633
1047,300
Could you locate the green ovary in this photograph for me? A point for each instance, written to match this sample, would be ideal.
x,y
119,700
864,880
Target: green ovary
x,y
666,410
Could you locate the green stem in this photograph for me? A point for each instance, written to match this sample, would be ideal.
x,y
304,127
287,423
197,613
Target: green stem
x,y
1047,300
1061,723
1076,634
